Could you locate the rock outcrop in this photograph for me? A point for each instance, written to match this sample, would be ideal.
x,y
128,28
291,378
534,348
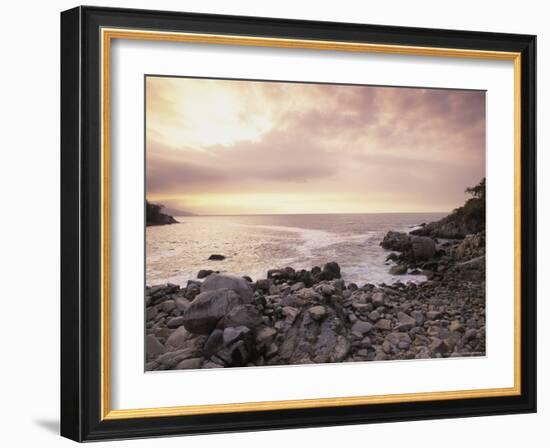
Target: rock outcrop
x,y
155,217
453,226
299,317
466,220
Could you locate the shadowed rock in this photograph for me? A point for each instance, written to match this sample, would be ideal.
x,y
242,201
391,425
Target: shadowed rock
x,y
422,247
208,308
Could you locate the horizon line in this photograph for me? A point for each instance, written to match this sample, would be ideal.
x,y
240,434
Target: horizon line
x,y
313,213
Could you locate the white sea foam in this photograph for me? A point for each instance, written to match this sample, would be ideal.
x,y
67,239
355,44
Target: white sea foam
x,y
255,244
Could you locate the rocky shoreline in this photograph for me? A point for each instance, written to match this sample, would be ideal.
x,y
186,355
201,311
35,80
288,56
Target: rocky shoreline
x,y
302,317
155,217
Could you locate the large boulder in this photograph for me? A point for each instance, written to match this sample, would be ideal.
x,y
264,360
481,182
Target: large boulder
x,y
398,241
208,308
221,281
423,247
416,247
243,315
330,271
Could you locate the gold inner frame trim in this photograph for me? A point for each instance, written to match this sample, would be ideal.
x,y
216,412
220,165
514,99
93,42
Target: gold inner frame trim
x,y
107,35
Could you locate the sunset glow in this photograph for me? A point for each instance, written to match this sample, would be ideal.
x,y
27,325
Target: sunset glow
x,y
242,147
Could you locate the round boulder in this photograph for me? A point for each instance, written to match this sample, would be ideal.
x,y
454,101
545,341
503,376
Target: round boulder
x,y
221,281
423,247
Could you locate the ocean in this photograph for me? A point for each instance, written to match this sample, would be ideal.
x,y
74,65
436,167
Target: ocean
x,y
253,244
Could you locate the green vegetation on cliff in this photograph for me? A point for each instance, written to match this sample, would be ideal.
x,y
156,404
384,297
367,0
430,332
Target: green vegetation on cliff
x,y
465,220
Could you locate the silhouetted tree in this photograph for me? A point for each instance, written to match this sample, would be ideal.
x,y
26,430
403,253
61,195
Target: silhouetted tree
x,y
474,207
154,215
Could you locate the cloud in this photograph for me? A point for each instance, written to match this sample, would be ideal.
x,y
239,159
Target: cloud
x,y
407,145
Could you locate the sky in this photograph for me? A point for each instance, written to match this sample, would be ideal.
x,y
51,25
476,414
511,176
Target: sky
x,y
255,147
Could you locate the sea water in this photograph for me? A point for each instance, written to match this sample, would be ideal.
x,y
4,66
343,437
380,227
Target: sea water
x,y
253,244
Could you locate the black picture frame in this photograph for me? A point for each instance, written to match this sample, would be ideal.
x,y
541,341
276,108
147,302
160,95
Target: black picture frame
x,y
81,223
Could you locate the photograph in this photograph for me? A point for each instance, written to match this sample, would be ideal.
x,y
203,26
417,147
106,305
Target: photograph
x,y
293,223
286,221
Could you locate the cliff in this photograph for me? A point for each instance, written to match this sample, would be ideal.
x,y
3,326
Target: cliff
x,y
466,220
155,217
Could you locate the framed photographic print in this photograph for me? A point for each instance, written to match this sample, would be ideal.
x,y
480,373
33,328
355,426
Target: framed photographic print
x,y
272,223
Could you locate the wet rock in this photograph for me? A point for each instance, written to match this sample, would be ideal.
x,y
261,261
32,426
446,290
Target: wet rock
x,y
399,269
304,277
281,275
263,284
330,271
398,241
204,273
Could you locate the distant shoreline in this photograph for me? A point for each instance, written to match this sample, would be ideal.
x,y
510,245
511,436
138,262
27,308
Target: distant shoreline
x,y
314,214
